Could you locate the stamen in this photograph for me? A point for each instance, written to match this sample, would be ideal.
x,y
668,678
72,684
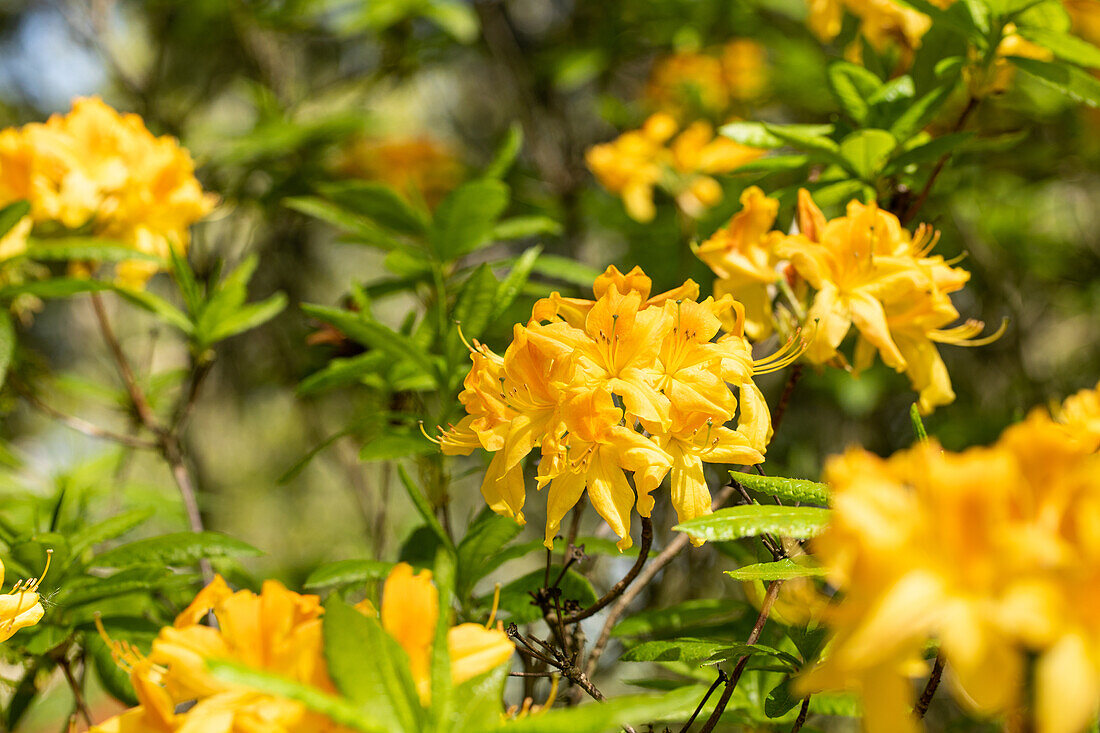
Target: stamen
x,y
458,325
966,333
785,355
496,605
420,424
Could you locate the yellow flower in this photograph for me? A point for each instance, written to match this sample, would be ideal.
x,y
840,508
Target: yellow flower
x,y
415,165
744,65
636,162
97,168
1085,15
277,631
742,255
628,383
871,273
690,83
410,610
881,21
1081,414
994,552
21,607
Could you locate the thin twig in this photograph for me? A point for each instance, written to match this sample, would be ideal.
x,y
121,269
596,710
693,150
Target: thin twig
x,y
83,426
910,212
137,397
803,713
556,659
618,589
702,703
663,558
739,668
785,399
78,695
930,688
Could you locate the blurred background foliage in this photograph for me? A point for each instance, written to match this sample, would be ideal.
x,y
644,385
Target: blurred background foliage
x,y
277,100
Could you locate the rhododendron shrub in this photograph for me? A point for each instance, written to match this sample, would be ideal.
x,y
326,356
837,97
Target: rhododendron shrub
x,y
503,366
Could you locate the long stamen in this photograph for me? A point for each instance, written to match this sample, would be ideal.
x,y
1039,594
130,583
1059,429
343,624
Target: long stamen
x,y
34,584
496,605
964,334
424,432
786,354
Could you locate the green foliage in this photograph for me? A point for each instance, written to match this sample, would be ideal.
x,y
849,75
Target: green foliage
x,y
753,520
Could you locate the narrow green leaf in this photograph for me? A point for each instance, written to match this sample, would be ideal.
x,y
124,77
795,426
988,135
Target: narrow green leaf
x,y
1064,46
394,445
511,286
774,164
867,151
932,150
761,135
474,307
566,270
486,537
370,668
755,519
179,549
852,86
803,137
731,652
893,91
679,618
689,651
792,489
780,700
335,708
779,570
184,276
360,230
89,249
376,202
12,214
7,343
522,227
506,154
424,508
918,424
1075,83
156,305
57,287
347,572
341,372
247,318
115,526
465,219
443,703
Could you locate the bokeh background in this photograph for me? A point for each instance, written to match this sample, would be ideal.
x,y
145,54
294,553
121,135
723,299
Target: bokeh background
x,y
273,97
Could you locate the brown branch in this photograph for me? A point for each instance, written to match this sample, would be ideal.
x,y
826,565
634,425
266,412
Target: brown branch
x,y
137,397
785,399
739,668
971,105
929,689
78,696
664,558
802,715
702,703
83,426
618,589
555,658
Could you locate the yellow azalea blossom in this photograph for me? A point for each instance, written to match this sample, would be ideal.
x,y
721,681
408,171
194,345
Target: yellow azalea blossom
x,y
638,161
420,166
100,169
615,393
410,610
994,552
1081,414
1085,17
277,631
869,272
881,21
14,242
742,256
689,83
744,64
21,607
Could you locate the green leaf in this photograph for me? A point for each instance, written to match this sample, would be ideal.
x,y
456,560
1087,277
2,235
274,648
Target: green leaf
x,y
424,508
780,700
566,270
478,701
506,154
792,489
918,424
340,372
113,678
370,668
335,708
731,652
486,537
179,549
108,529
246,318
142,578
894,90
774,164
932,150
156,305
393,445
780,570
475,304
1064,46
685,615
511,286
348,572
376,202
7,343
852,86
185,280
455,17
12,214
58,287
917,115
465,219
515,597
1075,83
442,687
84,248
688,651
867,152
361,230
803,137
522,227
376,336
761,135
755,519
607,717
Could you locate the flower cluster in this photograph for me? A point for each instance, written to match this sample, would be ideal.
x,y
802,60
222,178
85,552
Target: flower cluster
x,y
410,609
627,382
688,82
866,270
21,607
97,170
420,166
994,552
638,161
279,632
